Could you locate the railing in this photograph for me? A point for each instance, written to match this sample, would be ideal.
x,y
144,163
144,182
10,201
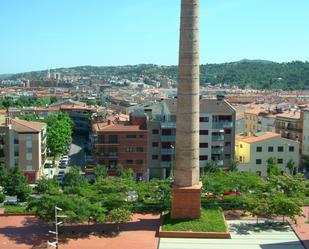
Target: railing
x,y
169,125
168,138
217,138
166,164
167,151
222,125
217,150
219,162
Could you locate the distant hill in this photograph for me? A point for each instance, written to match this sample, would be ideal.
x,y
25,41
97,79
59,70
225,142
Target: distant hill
x,y
258,74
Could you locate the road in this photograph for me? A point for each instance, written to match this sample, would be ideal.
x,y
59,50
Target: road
x,y
77,151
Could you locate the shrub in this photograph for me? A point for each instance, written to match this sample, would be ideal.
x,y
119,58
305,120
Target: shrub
x,y
2,197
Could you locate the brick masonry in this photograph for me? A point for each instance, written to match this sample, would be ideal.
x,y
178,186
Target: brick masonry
x,y
186,202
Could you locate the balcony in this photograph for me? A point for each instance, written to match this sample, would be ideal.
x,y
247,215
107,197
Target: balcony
x,y
165,164
168,125
167,151
217,138
219,162
217,150
222,125
110,154
168,138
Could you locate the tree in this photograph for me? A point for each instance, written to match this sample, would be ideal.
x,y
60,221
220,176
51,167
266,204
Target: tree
x,y
100,172
272,166
211,167
119,215
291,165
2,197
16,184
233,166
59,133
257,205
3,175
286,206
73,181
47,186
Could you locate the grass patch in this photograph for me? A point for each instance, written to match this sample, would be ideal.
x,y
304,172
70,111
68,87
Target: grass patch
x,y
16,210
211,221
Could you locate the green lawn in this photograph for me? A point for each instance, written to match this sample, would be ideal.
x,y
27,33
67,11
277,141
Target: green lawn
x,y
211,221
15,210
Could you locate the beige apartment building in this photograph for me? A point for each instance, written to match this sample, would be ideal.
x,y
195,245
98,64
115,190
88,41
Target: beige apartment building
x,y
305,135
252,152
23,143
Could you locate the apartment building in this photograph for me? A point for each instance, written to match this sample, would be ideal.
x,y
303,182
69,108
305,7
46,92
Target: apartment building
x,y
252,152
305,129
217,134
290,125
122,143
23,143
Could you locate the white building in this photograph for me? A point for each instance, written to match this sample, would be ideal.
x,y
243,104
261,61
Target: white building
x,y
252,152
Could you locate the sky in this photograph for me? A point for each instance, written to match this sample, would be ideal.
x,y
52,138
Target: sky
x,y
41,34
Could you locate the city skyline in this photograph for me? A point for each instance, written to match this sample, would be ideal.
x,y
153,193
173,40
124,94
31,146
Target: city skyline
x,y
37,36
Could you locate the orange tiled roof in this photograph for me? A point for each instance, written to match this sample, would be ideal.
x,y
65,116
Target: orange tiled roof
x,y
116,127
258,138
27,126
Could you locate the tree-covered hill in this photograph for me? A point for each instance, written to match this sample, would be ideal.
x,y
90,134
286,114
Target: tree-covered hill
x,y
245,73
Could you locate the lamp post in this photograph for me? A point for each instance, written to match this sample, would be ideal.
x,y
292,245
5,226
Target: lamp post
x,y
56,242
173,160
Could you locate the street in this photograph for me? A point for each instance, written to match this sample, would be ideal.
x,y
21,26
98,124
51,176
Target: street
x,y
77,152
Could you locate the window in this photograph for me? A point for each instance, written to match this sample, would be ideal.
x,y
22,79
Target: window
x,y
101,139
131,136
155,144
155,131
204,119
139,149
258,161
280,161
113,139
28,150
291,148
155,157
228,131
227,143
130,149
139,161
203,132
129,161
280,148
203,158
240,158
270,149
203,145
240,146
259,149
141,136
227,156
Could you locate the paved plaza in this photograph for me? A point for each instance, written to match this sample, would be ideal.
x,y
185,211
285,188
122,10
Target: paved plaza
x,y
245,235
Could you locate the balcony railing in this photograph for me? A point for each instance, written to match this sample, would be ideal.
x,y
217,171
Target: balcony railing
x,y
222,125
217,150
165,164
219,162
167,151
217,138
169,125
168,138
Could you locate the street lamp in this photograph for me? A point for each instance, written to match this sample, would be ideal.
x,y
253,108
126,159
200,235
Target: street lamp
x,y
57,223
173,160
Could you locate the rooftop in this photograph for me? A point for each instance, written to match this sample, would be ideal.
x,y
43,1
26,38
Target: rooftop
x,y
258,137
27,126
117,127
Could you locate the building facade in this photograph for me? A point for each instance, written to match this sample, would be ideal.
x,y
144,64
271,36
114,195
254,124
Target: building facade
x,y
217,135
23,144
305,129
252,152
122,144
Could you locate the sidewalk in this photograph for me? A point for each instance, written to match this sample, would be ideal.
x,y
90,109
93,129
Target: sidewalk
x,y
301,228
